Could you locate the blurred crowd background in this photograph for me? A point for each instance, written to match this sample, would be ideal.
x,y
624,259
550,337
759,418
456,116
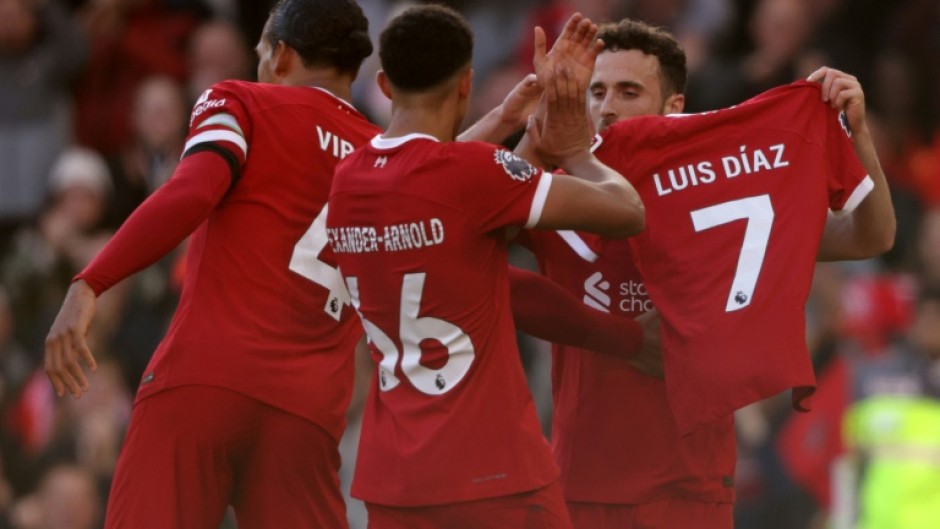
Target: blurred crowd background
x,y
94,104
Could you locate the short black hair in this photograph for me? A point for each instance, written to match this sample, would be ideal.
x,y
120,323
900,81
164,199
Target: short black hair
x,y
424,46
323,32
635,35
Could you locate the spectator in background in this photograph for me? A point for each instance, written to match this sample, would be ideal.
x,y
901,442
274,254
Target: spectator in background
x,y
68,233
928,248
780,31
217,52
149,156
15,362
132,40
892,430
41,52
68,498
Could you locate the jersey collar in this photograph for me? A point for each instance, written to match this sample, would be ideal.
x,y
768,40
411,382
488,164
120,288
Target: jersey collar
x,y
381,142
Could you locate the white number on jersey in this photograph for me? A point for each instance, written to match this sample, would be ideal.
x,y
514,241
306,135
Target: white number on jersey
x,y
306,261
760,218
412,331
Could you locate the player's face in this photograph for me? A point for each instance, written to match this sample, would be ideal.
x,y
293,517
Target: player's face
x,y
265,56
625,84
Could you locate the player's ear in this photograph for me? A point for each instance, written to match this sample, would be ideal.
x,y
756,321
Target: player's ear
x,y
283,56
674,104
466,81
382,80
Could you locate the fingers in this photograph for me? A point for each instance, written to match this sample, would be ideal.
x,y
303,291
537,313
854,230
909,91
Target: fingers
x,y
528,87
571,27
51,367
581,32
817,76
539,46
62,366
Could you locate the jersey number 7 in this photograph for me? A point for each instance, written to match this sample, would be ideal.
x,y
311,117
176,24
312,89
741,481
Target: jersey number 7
x,y
759,213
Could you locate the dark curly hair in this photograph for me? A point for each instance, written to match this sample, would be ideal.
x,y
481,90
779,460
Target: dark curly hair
x,y
424,46
634,35
323,32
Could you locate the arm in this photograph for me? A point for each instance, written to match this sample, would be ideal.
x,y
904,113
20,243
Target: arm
x,y
595,198
544,309
508,117
869,230
156,227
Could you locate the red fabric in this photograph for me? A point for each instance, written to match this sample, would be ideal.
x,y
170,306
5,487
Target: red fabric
x,y
613,434
545,310
664,514
31,417
247,320
162,222
449,414
539,509
808,443
191,451
151,41
734,333
876,308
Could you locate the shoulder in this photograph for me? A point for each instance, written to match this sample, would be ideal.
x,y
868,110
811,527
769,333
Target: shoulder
x,y
493,159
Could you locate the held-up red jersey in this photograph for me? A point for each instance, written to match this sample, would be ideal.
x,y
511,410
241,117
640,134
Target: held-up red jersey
x,y
262,312
736,201
613,434
417,228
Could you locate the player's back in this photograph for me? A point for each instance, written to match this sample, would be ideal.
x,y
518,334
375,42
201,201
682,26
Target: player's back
x,y
417,230
261,312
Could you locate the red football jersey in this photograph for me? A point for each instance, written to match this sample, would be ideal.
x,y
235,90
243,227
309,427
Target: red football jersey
x,y
736,201
418,230
613,433
260,312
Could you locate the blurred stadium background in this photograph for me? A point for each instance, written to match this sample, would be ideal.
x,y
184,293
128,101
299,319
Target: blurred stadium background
x,y
94,99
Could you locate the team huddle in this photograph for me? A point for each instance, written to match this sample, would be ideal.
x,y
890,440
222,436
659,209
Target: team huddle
x,y
309,227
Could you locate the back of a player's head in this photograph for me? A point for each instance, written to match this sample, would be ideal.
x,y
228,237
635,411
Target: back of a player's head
x,y
424,46
635,35
323,32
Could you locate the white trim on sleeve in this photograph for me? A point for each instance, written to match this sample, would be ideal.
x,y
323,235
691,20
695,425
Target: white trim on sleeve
x,y
538,200
861,191
218,135
578,245
225,119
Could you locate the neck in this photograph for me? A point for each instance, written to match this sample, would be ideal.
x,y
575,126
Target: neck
x,y
423,115
329,79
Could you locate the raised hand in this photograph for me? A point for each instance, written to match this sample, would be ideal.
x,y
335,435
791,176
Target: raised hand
x,y
565,129
843,92
576,48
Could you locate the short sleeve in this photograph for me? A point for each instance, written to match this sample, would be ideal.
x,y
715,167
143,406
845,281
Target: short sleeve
x,y
500,188
849,182
219,121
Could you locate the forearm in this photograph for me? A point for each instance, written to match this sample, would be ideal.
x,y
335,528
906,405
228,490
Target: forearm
x,y
544,309
869,230
491,128
162,221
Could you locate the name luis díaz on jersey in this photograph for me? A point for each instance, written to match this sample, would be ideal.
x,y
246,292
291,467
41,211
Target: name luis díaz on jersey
x,y
745,162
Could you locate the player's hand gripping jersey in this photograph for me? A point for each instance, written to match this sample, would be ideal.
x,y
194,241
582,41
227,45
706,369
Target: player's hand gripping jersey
x,y
417,227
736,201
261,311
